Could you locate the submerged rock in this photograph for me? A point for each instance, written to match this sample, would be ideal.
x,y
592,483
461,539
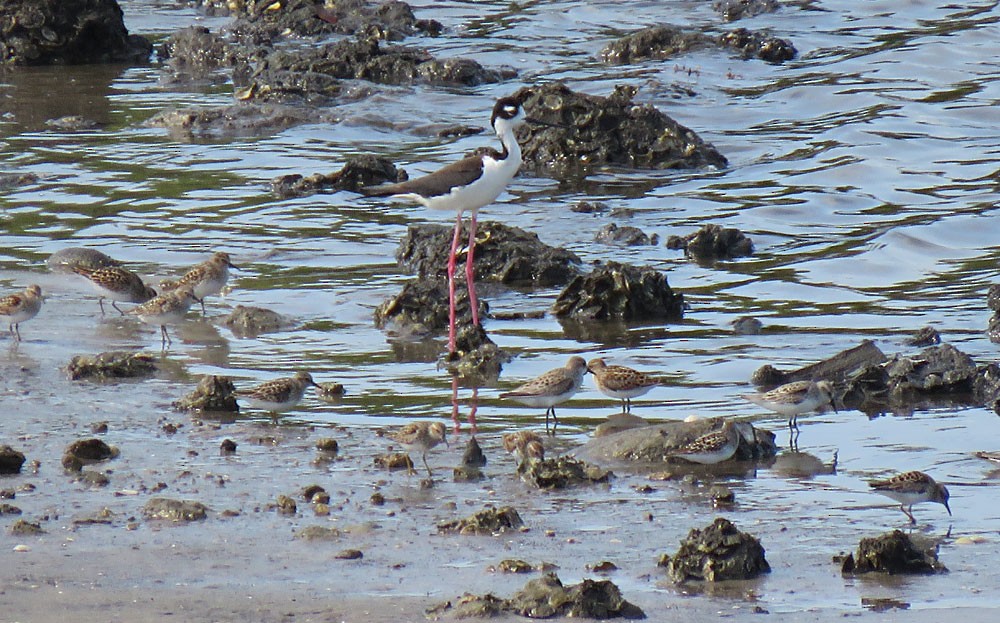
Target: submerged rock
x,y
11,460
213,393
240,119
246,321
667,41
893,553
756,44
713,242
562,472
15,180
114,364
174,510
67,32
86,451
358,172
606,130
503,254
626,235
733,10
487,522
717,553
65,260
620,292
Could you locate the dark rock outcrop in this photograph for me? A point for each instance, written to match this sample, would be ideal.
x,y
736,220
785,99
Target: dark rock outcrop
x,y
668,41
717,553
562,472
625,235
307,18
893,553
67,32
606,130
713,242
11,460
358,172
213,393
487,522
620,292
115,364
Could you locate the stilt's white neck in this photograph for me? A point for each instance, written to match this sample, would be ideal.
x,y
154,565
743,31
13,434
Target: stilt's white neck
x,y
505,132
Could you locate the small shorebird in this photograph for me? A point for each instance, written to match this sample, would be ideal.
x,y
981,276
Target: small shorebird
x,y
117,284
620,382
524,445
552,388
278,395
716,446
793,399
167,308
205,279
421,437
467,185
17,308
911,488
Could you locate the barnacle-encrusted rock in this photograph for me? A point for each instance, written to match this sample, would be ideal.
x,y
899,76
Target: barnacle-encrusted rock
x,y
11,460
247,321
486,522
606,130
717,553
174,510
358,172
85,451
306,18
625,235
562,472
761,45
194,53
667,41
421,307
733,10
115,364
546,597
713,242
70,32
617,291
893,553
477,358
503,254
213,393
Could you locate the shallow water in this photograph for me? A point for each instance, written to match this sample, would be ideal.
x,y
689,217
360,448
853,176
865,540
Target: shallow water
x,y
864,171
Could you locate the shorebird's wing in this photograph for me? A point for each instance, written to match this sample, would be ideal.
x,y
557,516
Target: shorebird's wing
x,y
440,182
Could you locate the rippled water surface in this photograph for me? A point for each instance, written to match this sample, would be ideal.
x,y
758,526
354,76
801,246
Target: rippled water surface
x,y
865,171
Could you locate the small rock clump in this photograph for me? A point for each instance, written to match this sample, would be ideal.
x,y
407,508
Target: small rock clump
x,y
487,522
668,41
717,553
892,553
546,597
246,321
115,364
713,242
357,173
562,472
11,460
67,32
86,451
625,235
213,393
240,119
617,291
175,510
606,130
504,254
732,10
421,308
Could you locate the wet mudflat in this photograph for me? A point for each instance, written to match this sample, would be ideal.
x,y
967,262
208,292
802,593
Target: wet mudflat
x,y
864,183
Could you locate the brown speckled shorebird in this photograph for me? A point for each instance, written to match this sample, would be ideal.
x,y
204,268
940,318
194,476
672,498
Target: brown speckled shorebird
x,y
116,283
16,308
620,382
205,279
911,488
716,446
278,395
550,389
421,437
167,308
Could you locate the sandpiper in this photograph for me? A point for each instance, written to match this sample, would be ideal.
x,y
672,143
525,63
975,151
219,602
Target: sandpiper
x,y
278,395
167,308
467,185
421,437
552,388
911,488
524,445
117,284
17,308
718,445
620,382
205,279
793,399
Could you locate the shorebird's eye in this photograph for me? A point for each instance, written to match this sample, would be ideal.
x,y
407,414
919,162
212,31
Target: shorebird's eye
x,y
510,110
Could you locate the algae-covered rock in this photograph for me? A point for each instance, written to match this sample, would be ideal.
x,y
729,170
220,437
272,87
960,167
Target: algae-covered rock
x,y
86,451
247,321
213,393
357,172
11,460
487,522
717,553
174,510
562,472
617,291
893,553
712,242
116,364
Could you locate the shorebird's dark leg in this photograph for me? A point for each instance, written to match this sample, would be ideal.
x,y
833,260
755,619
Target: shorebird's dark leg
x,y
627,405
429,474
15,331
451,283
164,337
117,309
470,271
100,301
909,513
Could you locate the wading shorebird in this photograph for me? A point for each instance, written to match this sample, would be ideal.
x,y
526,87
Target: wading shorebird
x,y
467,185
550,389
911,488
16,308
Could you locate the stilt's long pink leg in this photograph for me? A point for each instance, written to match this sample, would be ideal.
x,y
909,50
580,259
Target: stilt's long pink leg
x,y
470,271
451,283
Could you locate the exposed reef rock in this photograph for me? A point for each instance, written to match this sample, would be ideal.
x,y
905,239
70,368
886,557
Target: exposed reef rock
x,y
487,522
732,10
711,243
86,451
115,364
620,292
421,308
213,393
11,460
247,321
606,130
668,41
625,235
504,254
174,510
562,472
717,553
893,553
305,18
67,32
358,172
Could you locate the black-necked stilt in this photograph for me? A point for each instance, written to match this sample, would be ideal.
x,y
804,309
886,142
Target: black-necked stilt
x,y
469,184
